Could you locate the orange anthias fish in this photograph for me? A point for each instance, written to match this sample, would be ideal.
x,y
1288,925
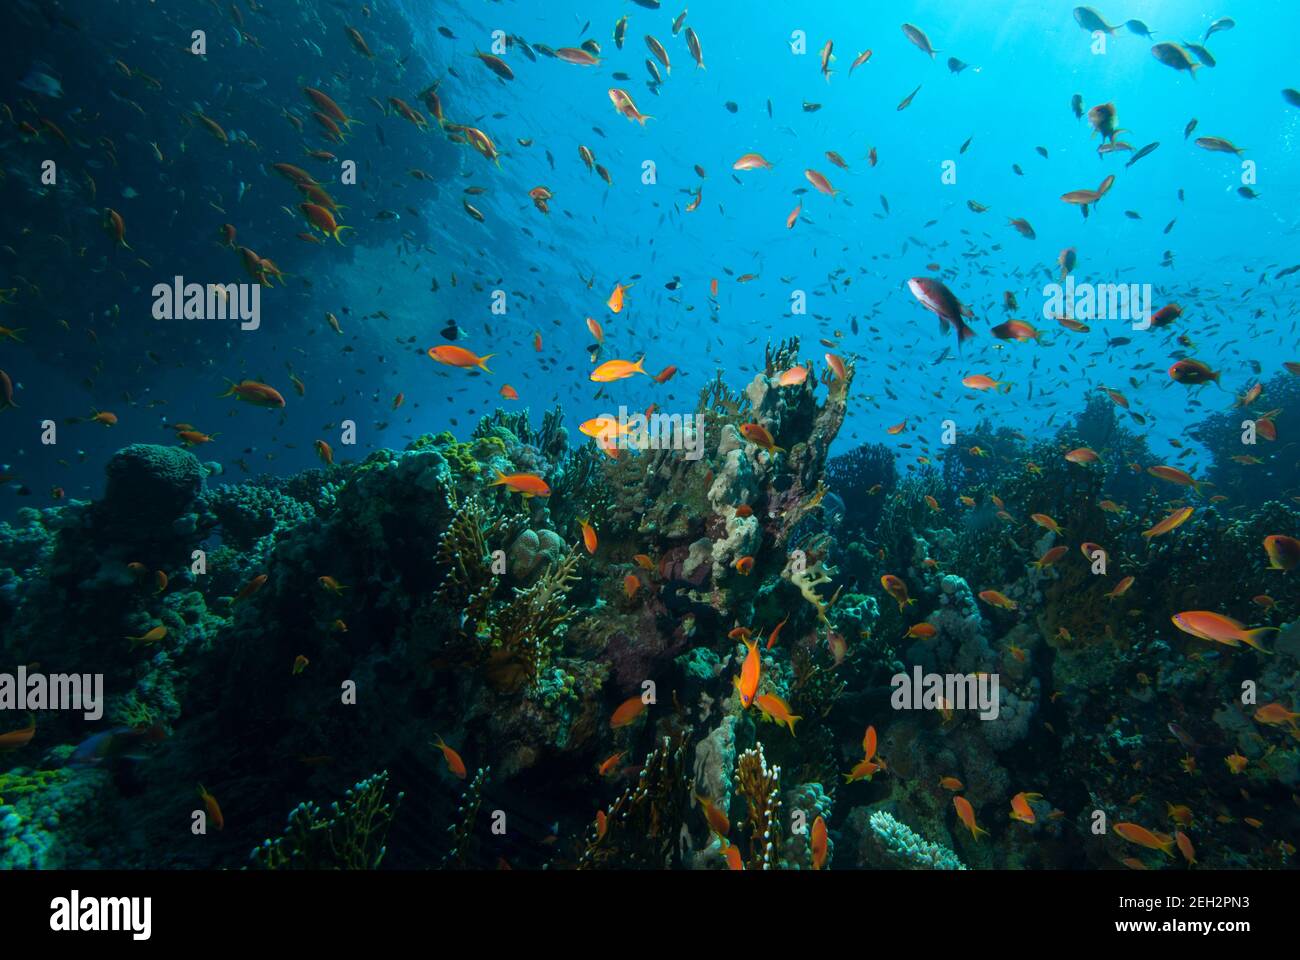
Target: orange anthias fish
x,y
453,356
717,819
615,301
869,743
864,770
777,709
750,673
966,813
588,536
624,105
17,739
997,599
323,220
1274,714
1020,808
1207,625
1146,838
612,370
1047,523
752,161
627,712
151,636
609,763
776,632
213,808
454,763
1174,475
527,484
897,589
820,182
250,588
1283,552
818,843
758,434
258,394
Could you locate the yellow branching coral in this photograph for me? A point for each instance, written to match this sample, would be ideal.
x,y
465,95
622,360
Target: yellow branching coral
x,y
807,569
524,633
760,785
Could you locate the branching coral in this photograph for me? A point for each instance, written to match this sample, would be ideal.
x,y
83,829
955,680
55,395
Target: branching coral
x,y
643,825
462,831
854,475
350,836
551,441
760,785
905,848
525,632
807,569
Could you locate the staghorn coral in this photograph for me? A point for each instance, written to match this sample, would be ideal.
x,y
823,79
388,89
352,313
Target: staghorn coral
x,y
349,837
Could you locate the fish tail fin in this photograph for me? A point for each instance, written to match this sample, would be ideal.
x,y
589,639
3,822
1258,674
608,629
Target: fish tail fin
x,y
500,480
644,117
230,391
1251,638
338,230
482,362
639,366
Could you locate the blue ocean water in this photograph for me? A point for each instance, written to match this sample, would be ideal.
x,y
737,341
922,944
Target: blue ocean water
x,y
90,342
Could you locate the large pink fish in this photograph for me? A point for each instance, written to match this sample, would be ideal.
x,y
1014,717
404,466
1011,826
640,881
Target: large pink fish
x,y
938,299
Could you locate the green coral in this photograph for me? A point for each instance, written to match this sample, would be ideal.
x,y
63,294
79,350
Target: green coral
x,y
465,459
20,782
350,836
133,712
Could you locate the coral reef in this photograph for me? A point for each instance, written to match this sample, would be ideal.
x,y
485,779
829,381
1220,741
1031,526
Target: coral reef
x,y
349,836
356,609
